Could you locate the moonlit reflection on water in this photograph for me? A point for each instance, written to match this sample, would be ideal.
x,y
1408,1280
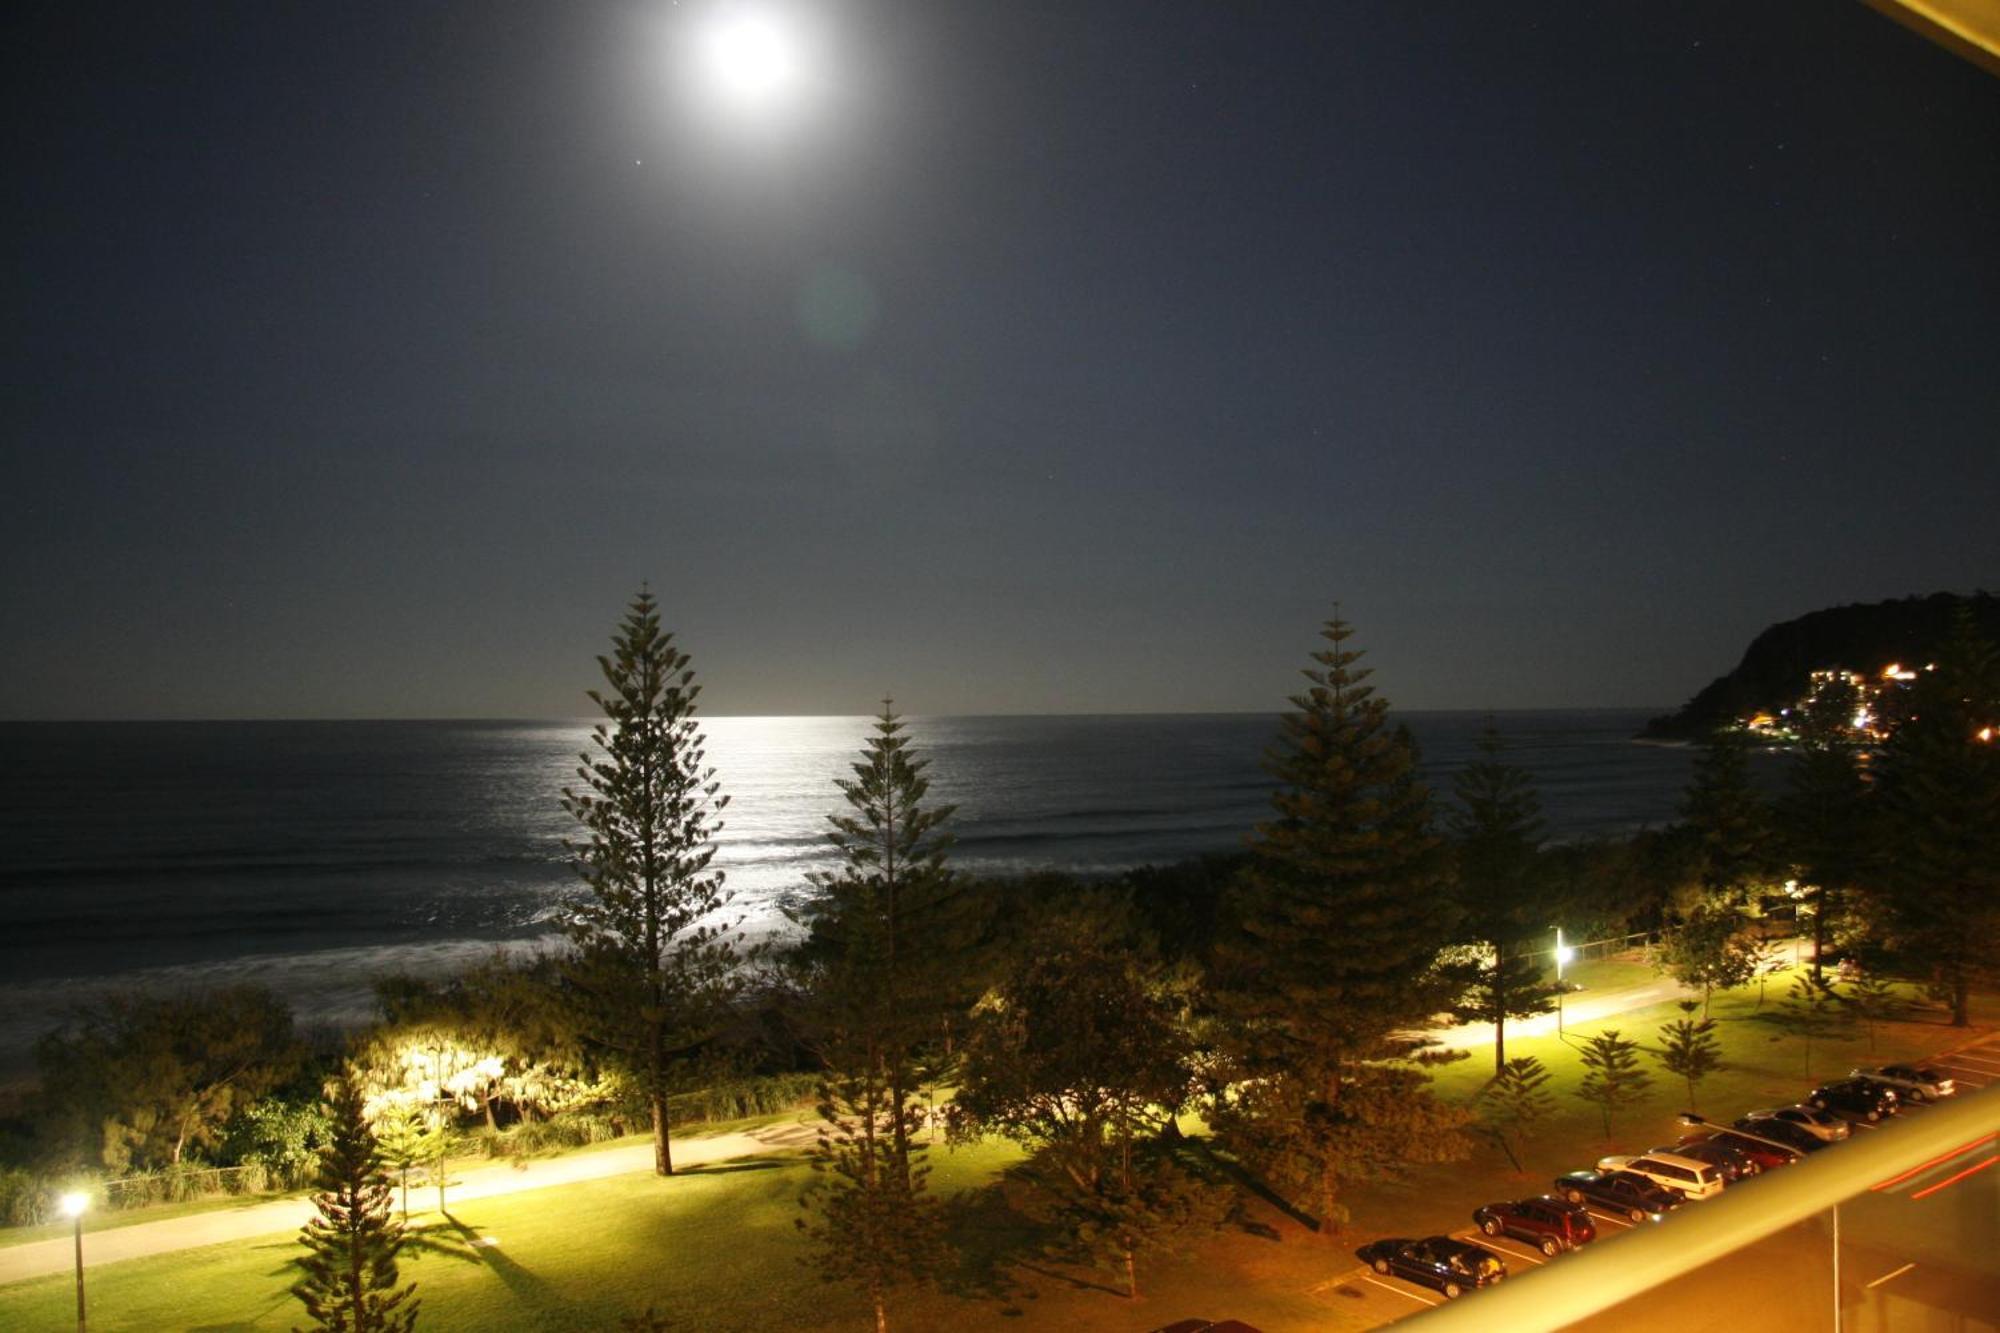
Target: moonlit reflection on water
x,y
309,856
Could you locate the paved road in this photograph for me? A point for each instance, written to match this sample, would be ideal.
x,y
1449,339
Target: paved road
x,y
476,1182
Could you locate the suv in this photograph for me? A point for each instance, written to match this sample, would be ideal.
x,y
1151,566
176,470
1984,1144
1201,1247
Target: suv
x,y
1684,1175
1546,1222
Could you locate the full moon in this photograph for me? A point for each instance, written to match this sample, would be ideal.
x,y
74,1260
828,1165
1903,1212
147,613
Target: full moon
x,y
752,58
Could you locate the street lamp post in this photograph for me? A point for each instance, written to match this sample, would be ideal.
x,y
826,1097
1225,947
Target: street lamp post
x,y
74,1204
1563,954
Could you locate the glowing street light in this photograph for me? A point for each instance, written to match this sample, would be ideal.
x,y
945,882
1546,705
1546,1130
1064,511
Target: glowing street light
x,y
73,1205
1564,955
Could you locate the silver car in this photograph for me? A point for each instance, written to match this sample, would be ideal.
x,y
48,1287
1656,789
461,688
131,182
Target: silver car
x,y
1822,1125
1919,1083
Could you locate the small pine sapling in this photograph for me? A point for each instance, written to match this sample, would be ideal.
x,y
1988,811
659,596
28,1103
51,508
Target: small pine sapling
x,y
1615,1079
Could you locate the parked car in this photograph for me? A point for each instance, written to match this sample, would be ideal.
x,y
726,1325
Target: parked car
x,y
1684,1175
1450,1266
1917,1083
1763,1126
1545,1222
1765,1156
1734,1163
1856,1096
1819,1124
1619,1192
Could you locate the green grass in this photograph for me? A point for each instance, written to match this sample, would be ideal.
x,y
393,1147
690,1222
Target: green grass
x,y
111,1219
713,1249
1609,974
716,1248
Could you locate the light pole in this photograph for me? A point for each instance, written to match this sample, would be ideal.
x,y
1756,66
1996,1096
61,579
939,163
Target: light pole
x,y
74,1204
1563,954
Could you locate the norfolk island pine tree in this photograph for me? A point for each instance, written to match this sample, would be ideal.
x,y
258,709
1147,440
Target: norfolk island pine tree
x,y
883,932
1501,892
1341,916
654,969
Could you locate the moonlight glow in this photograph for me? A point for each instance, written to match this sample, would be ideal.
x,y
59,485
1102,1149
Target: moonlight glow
x,y
752,59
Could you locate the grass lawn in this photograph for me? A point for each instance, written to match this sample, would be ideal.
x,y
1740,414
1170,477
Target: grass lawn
x,y
716,1248
109,1219
1609,974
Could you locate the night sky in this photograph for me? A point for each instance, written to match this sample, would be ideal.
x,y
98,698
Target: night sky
x,y
364,358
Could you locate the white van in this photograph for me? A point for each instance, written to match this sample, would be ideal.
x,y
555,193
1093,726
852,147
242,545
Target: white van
x,y
1683,1175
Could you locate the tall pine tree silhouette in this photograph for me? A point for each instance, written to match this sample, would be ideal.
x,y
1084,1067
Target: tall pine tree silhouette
x,y
1940,790
654,969
1497,854
1728,823
887,931
1824,815
1340,920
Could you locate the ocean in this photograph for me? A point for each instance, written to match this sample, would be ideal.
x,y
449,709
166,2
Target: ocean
x,y
312,856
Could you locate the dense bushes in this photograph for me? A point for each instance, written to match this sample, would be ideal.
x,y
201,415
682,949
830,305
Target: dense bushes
x,y
737,1098
532,1138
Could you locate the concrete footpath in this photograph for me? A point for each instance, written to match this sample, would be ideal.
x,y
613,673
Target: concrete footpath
x,y
1580,1007
279,1216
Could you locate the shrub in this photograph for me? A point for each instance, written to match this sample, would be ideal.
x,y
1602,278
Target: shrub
x,y
280,1139
735,1098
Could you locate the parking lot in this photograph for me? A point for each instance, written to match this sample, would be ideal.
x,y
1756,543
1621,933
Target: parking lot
x,y
1385,1298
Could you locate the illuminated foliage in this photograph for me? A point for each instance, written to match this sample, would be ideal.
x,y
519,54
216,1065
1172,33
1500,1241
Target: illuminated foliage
x,y
1712,949
1615,1079
1514,1102
1078,1056
352,1241
1690,1049
406,1133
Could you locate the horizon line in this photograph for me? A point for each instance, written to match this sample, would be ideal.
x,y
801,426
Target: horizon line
x,y
597,717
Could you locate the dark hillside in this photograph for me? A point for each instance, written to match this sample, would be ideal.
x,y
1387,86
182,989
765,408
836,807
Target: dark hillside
x,y
1862,637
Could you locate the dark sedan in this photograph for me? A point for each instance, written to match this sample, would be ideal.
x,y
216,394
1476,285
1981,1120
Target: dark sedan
x,y
1762,1156
1769,1127
1619,1192
1447,1265
1856,1097
1547,1223
1732,1162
